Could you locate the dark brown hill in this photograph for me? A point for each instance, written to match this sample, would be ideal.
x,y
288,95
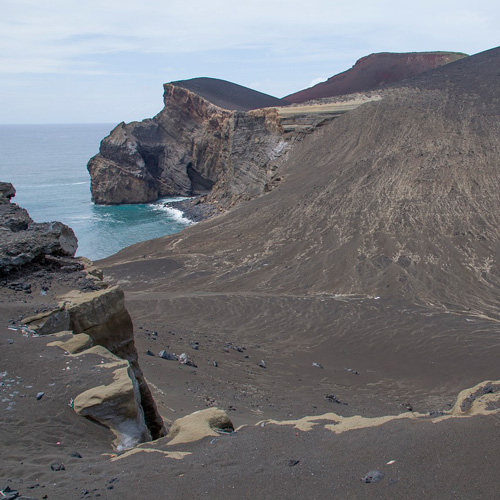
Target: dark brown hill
x,y
375,71
229,95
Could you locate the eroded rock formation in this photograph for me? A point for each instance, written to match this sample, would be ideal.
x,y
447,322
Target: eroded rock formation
x,y
191,147
102,316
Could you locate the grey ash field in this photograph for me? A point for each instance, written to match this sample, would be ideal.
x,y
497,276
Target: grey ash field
x,y
367,281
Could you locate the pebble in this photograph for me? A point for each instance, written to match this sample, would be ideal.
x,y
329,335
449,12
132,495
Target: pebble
x,y
317,365
10,341
40,395
57,467
150,353
262,364
374,476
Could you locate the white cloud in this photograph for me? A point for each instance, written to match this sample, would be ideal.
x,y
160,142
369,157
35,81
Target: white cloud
x,y
314,82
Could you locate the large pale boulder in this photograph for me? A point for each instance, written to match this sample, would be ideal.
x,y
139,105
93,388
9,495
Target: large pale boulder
x,y
199,425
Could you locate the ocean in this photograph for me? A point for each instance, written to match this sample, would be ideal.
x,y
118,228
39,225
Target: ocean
x,y
47,164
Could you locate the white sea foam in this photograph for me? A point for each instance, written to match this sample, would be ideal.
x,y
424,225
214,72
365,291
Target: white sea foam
x,y
174,213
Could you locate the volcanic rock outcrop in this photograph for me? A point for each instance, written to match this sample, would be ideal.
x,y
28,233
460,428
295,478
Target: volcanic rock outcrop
x,y
191,147
23,241
374,71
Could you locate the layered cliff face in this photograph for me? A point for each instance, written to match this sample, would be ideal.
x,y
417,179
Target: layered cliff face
x,y
191,147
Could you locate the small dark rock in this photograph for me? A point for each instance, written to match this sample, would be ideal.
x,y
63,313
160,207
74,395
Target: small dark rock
x,y
150,353
215,363
317,365
10,341
40,395
262,364
57,467
292,463
374,476
75,454
195,345
334,399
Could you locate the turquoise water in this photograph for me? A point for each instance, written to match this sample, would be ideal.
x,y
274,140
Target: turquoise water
x,y
48,166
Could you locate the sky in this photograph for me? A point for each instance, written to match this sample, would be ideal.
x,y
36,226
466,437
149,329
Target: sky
x,y
105,61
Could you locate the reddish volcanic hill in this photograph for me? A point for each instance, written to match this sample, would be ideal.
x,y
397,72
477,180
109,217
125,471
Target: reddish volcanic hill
x,y
229,95
374,71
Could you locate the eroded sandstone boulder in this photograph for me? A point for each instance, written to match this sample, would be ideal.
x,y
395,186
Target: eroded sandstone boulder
x,y
192,147
117,403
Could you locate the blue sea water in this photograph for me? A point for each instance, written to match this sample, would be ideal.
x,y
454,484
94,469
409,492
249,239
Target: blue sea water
x,y
47,164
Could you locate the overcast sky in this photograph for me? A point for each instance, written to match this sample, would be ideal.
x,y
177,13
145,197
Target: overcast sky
x,y
89,61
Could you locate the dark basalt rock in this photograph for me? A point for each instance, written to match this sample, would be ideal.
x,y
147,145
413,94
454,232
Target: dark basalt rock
x,y
23,240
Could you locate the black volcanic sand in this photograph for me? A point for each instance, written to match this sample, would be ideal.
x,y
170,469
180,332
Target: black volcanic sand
x,y
456,458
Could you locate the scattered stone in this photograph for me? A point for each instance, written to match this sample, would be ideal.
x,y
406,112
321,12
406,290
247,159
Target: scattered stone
x,y
317,365
150,353
57,467
292,463
352,371
436,413
262,364
184,359
75,454
195,345
374,476
408,406
215,363
334,399
40,395
10,341
168,355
